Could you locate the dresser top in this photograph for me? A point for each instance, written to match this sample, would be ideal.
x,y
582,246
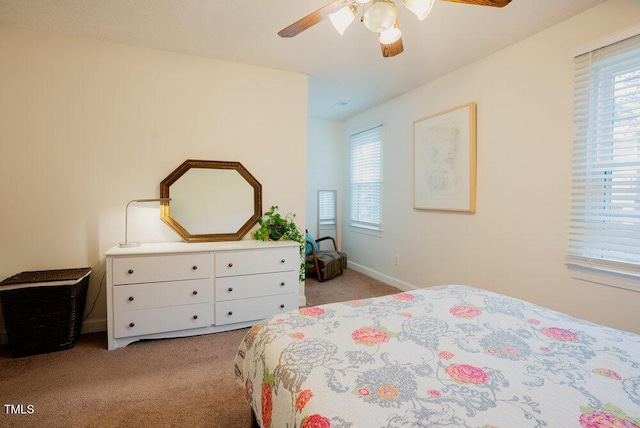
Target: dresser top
x,y
195,247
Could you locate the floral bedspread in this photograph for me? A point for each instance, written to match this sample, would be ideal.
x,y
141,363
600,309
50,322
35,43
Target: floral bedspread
x,y
451,356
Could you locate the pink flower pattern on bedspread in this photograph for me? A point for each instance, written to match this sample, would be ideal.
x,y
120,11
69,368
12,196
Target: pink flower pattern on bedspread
x,y
451,356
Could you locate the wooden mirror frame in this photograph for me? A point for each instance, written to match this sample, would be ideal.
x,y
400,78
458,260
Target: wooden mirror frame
x,y
189,164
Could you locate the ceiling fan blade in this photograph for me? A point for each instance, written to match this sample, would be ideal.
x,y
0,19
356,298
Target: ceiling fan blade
x,y
312,19
494,3
392,49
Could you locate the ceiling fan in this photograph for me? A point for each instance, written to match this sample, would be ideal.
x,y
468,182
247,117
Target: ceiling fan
x,y
379,16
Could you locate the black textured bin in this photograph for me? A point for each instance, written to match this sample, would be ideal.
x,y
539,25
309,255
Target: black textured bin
x,y
43,310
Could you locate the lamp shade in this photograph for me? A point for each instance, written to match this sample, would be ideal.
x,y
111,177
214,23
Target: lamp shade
x,y
342,18
391,34
380,16
421,8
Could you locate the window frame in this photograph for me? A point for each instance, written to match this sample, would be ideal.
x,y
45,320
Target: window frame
x,y
603,269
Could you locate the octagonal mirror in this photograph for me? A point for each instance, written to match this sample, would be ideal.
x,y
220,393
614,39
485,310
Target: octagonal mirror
x,y
211,200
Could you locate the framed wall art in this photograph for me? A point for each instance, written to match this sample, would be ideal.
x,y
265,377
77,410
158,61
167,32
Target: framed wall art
x,y
444,160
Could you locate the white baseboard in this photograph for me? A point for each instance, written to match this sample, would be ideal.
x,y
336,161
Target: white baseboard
x,y
94,325
404,286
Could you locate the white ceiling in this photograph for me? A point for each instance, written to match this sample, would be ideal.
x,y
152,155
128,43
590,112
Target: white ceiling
x,y
342,69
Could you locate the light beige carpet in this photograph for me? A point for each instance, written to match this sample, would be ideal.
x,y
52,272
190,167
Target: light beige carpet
x,y
186,382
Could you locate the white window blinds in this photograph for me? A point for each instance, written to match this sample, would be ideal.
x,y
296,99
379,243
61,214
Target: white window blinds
x,y
327,207
366,179
605,205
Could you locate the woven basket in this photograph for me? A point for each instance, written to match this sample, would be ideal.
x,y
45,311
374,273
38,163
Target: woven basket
x,y
43,310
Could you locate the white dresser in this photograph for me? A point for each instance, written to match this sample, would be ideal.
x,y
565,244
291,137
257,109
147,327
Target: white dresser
x,y
178,289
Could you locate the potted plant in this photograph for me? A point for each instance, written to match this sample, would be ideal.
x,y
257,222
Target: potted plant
x,y
275,227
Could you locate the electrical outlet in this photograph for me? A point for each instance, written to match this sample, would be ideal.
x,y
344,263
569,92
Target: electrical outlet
x,y
397,260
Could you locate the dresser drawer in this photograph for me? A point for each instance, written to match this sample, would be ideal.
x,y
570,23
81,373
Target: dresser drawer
x,y
242,287
133,270
134,297
257,308
159,320
230,263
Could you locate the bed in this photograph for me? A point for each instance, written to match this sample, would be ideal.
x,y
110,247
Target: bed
x,y
448,356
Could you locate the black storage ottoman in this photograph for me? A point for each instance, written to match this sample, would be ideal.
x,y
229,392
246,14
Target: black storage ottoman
x,y
43,310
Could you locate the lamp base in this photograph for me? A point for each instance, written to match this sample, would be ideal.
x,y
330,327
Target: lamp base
x,y
129,244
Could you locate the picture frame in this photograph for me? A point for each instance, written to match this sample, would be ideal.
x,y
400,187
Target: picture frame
x,y
444,160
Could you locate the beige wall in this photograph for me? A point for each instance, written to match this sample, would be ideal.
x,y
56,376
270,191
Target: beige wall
x,y
86,126
516,241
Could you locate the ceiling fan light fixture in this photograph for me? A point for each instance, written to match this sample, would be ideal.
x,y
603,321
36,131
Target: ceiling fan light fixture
x,y
390,35
380,16
343,18
421,8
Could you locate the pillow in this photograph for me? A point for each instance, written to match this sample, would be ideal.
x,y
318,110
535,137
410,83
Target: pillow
x,y
313,242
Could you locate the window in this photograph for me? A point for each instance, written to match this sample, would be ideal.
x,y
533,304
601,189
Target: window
x,y
605,206
327,207
366,179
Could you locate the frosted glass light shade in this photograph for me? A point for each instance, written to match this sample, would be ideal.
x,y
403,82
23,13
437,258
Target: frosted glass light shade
x,y
420,7
380,16
390,35
342,18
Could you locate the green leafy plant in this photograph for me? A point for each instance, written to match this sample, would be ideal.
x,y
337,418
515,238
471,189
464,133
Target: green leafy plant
x,y
275,227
